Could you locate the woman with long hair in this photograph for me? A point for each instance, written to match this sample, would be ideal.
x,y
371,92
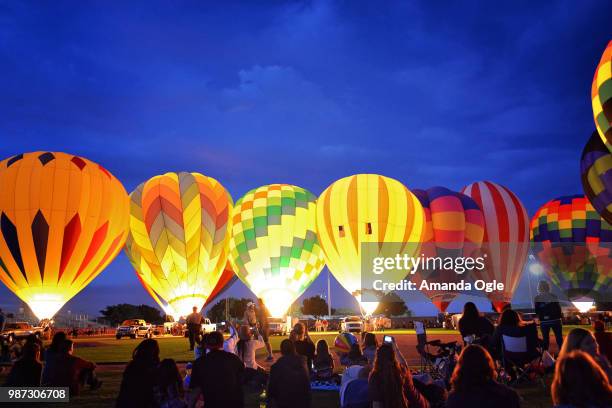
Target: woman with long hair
x,y
473,382
390,384
140,376
370,344
473,324
323,362
583,340
289,384
580,382
169,388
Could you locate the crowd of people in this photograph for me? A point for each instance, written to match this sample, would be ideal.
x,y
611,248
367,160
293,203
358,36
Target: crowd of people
x,y
370,373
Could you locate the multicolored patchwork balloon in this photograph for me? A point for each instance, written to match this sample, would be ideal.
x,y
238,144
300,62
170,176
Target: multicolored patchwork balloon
x,y
596,175
506,238
601,97
274,248
454,227
573,243
366,208
63,219
179,236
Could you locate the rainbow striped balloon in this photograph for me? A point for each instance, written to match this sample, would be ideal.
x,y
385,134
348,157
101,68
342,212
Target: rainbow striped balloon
x,y
274,248
601,97
506,237
454,227
179,233
596,175
573,242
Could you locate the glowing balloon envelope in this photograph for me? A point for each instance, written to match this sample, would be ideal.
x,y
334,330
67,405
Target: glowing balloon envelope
x,y
454,227
366,208
506,238
596,175
573,243
63,219
179,235
601,97
274,248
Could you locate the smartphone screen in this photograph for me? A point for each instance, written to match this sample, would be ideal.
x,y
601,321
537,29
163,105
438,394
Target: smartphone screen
x,y
388,339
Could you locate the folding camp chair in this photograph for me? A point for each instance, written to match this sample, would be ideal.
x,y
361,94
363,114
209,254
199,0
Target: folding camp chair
x,y
521,357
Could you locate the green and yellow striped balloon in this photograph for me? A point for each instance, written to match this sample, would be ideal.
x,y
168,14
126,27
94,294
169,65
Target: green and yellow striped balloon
x,y
274,248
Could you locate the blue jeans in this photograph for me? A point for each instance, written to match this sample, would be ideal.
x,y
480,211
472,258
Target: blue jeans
x,y
556,327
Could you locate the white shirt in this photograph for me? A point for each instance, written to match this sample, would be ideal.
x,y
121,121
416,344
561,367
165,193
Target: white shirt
x,y
231,345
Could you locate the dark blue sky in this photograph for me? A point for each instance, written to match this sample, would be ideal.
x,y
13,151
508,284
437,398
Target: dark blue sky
x,y
303,93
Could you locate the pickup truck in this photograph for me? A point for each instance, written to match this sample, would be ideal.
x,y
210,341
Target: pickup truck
x,y
351,324
19,330
133,328
207,326
279,325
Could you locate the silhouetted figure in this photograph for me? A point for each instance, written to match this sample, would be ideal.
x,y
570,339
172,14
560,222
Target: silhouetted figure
x,y
473,383
140,377
194,327
548,309
27,370
289,383
218,375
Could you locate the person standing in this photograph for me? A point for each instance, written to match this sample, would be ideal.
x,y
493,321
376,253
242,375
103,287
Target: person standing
x,y
218,375
549,313
194,327
264,327
250,316
2,320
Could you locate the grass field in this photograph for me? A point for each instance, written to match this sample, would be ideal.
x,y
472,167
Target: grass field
x,y
111,354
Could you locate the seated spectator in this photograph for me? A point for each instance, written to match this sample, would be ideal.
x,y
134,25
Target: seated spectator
x,y
218,375
511,324
51,356
603,338
169,388
473,325
354,392
27,370
390,384
580,382
71,371
140,377
370,344
245,345
473,383
323,362
289,383
303,344
354,357
583,340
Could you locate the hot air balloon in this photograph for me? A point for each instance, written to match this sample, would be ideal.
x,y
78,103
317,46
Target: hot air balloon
x,y
227,279
274,248
179,235
506,238
454,227
366,208
63,219
573,243
596,175
601,97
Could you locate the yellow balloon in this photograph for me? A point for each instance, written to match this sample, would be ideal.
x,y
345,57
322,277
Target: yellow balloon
x,y
360,209
179,233
274,248
63,219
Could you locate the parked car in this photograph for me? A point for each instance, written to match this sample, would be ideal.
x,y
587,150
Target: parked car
x,y
351,324
19,330
134,328
279,325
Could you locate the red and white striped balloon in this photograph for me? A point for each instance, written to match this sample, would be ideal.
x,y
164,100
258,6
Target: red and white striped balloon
x,y
506,238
